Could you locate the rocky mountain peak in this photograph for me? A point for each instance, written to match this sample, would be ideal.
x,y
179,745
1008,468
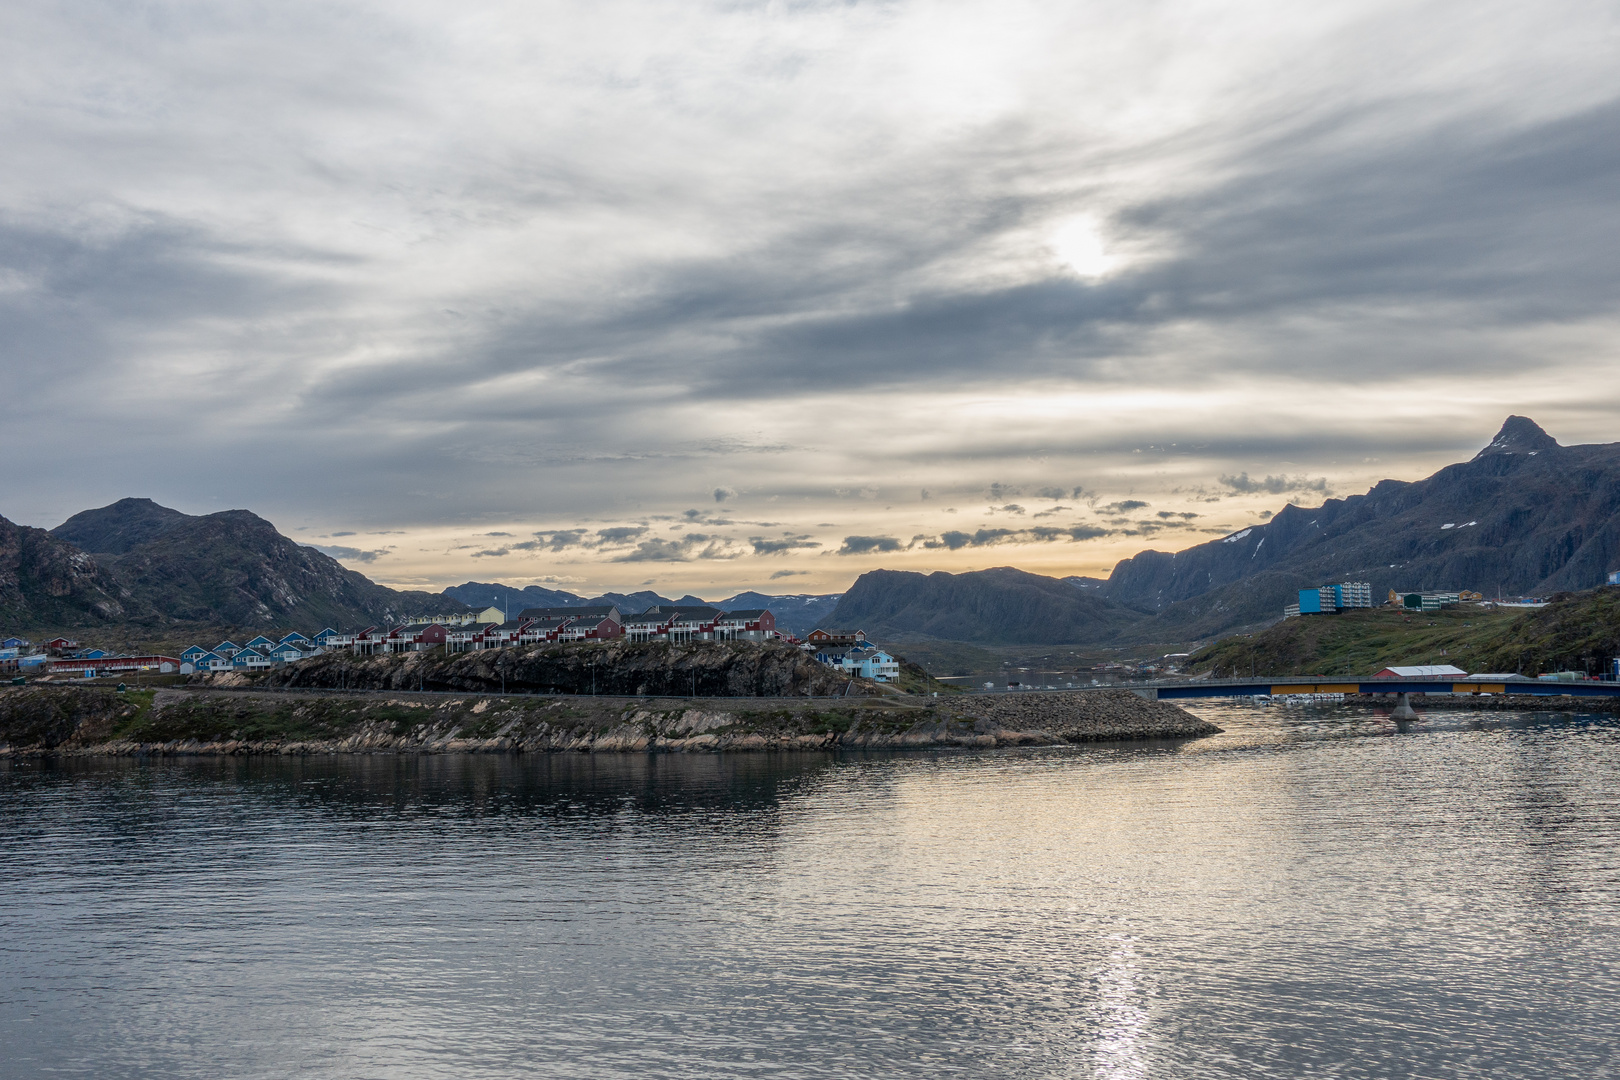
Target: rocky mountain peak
x,y
1519,435
114,529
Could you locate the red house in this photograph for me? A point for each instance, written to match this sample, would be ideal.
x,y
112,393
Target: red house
x,y
819,637
414,637
749,624
591,628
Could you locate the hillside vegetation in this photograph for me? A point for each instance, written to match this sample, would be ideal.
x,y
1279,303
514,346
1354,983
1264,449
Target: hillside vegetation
x,y
1576,632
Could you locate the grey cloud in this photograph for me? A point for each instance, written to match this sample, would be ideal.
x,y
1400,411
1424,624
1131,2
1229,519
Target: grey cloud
x,y
337,534
865,545
620,535
562,539
1123,507
492,553
789,573
721,494
1274,485
1010,508
764,546
955,540
349,554
692,546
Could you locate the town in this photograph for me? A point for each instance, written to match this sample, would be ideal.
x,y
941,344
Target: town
x,y
491,628
1330,599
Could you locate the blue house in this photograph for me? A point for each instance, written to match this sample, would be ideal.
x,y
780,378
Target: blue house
x,y
260,642
295,636
192,653
286,652
227,649
93,654
250,659
320,638
13,643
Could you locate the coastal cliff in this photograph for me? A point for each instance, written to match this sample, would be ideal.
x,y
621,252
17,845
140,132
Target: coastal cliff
x,y
63,721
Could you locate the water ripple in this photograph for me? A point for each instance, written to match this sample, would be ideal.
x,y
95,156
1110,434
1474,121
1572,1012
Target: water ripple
x,y
1314,893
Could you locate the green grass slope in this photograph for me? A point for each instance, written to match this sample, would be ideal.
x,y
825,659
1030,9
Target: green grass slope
x,y
1577,632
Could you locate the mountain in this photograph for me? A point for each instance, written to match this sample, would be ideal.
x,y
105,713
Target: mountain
x,y
45,581
156,565
113,530
997,606
795,614
476,594
1525,515
798,614
480,595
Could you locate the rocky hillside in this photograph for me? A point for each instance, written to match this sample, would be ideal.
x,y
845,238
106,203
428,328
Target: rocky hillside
x,y
45,581
1525,516
113,530
998,606
137,563
1576,632
234,568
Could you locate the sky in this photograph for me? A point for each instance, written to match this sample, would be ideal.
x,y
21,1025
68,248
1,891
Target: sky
x,y
713,296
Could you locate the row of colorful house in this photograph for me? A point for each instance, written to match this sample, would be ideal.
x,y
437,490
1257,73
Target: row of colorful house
x,y
602,622
850,653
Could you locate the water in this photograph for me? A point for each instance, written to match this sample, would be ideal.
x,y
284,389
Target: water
x,y
1313,893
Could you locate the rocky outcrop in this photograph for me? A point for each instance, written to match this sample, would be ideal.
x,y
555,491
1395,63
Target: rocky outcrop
x,y
46,581
47,721
704,668
43,718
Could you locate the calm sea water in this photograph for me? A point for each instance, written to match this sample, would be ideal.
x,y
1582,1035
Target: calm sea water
x,y
1312,894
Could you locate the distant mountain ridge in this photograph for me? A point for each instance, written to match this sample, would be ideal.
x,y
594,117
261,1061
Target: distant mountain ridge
x,y
1523,516
998,606
795,614
137,562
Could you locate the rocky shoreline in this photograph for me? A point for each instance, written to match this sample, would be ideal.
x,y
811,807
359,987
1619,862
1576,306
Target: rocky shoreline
x,y
48,721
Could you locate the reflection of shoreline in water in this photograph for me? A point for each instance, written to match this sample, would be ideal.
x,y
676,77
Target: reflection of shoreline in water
x,y
474,785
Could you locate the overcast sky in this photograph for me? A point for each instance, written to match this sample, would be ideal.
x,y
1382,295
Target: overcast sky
x,y
721,295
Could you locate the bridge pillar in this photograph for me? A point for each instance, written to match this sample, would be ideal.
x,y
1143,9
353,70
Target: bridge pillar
x,y
1403,708
1149,692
